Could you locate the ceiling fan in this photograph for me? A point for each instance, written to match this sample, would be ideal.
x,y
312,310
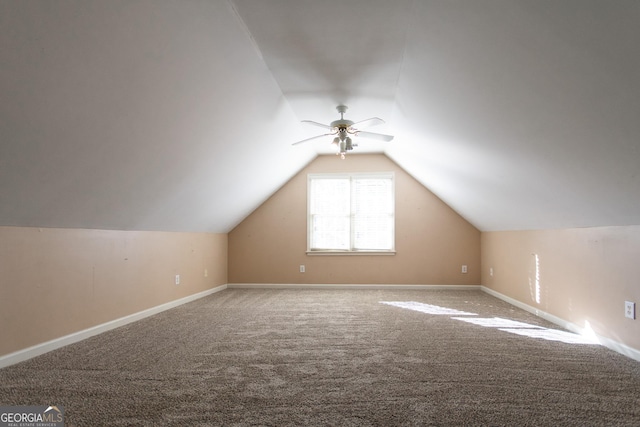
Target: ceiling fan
x,y
343,130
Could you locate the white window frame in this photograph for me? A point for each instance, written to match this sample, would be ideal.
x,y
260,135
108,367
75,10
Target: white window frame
x,y
351,250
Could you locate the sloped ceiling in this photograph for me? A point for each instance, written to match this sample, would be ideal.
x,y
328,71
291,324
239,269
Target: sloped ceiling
x,y
165,115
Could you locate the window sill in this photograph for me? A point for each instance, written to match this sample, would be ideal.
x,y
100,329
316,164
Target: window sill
x,y
349,253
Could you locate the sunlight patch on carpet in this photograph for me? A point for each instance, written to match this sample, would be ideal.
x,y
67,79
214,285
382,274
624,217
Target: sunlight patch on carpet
x,y
497,322
528,330
505,325
553,335
427,308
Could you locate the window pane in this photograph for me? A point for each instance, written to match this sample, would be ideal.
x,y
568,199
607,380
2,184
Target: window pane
x,y
373,232
330,196
372,195
330,232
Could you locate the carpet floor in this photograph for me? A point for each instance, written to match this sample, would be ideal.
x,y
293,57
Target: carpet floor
x,y
334,357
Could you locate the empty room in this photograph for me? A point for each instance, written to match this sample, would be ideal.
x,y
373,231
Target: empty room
x,y
331,213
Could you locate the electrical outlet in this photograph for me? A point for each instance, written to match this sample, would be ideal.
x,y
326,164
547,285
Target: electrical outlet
x,y
206,273
464,269
177,279
630,309
491,271
302,269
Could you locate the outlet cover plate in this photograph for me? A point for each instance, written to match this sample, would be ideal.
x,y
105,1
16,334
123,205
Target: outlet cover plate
x,y
630,309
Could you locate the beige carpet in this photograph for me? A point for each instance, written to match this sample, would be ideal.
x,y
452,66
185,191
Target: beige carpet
x,y
333,357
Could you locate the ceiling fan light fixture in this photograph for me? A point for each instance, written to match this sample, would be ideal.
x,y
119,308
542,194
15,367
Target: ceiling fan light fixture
x,y
343,129
342,149
348,144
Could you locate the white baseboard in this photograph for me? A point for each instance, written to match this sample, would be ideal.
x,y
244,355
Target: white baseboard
x,y
28,353
345,286
37,350
607,342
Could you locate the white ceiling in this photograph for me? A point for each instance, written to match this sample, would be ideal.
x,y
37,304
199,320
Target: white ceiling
x,y
165,115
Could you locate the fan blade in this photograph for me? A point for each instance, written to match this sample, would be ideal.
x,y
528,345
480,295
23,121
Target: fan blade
x,y
312,138
367,123
311,122
372,135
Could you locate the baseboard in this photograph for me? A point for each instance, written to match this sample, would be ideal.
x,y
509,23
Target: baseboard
x,y
28,353
347,286
37,350
607,342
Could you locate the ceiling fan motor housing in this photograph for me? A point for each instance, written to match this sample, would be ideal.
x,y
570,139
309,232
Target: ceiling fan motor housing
x,y
343,126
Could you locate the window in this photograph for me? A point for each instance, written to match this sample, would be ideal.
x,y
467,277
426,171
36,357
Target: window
x,y
350,213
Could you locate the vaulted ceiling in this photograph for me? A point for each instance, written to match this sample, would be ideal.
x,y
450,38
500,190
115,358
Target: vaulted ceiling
x,y
180,115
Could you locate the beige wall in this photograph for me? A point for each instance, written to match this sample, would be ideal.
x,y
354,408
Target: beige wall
x,y
581,275
55,282
432,241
